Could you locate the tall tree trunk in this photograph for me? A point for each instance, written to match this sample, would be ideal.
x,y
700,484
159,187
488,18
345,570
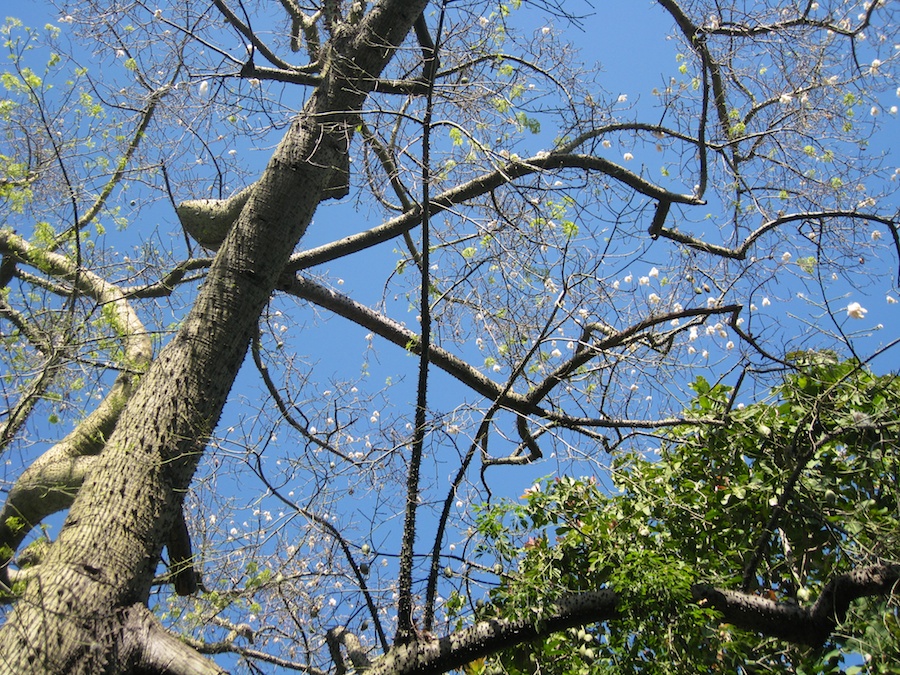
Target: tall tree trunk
x,y
77,612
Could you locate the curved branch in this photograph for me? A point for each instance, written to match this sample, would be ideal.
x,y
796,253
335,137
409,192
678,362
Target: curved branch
x,y
793,623
50,482
616,338
248,34
740,253
153,649
480,186
486,637
401,336
340,636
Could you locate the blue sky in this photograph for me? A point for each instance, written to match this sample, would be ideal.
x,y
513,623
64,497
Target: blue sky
x,y
628,42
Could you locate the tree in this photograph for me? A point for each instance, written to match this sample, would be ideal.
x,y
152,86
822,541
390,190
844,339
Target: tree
x,y
554,284
774,522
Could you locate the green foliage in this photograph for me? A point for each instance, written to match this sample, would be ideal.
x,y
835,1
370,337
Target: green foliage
x,y
776,497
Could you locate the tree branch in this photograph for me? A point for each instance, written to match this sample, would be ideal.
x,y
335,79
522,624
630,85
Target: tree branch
x,y
475,188
486,637
810,626
153,649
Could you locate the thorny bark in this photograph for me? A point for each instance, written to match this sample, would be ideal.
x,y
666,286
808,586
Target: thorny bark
x,y
83,611
69,618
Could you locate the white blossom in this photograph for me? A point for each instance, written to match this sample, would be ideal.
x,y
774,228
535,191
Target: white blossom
x,y
622,98
628,157
766,302
856,311
653,273
786,257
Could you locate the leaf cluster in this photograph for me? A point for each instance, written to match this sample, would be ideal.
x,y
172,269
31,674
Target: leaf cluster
x,y
777,499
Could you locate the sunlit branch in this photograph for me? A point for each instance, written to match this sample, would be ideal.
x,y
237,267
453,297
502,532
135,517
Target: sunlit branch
x,y
740,253
477,187
154,649
486,637
306,24
50,482
341,637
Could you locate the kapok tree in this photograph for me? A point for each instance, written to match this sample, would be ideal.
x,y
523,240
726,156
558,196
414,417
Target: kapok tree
x,y
506,227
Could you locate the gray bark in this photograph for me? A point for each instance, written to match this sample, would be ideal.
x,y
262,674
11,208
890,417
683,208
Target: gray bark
x,y
433,655
792,622
70,617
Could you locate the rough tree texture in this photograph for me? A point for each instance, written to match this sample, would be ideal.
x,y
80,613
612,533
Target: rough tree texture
x,y
76,614
805,625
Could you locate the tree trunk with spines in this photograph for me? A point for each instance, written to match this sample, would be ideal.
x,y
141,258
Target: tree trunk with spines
x,y
84,609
